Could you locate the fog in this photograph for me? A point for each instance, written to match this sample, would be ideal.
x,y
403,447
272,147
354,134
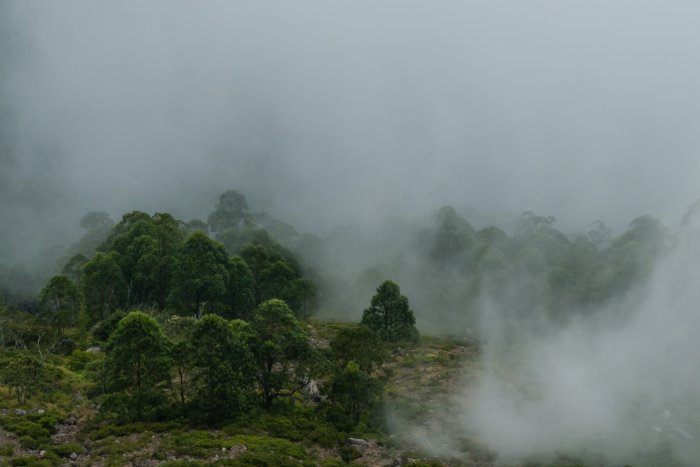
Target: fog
x,y
618,389
322,113
369,116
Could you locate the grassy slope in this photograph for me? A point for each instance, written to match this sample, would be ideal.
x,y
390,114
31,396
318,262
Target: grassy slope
x,y
420,380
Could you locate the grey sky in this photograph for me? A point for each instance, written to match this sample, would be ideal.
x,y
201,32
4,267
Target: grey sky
x,y
326,111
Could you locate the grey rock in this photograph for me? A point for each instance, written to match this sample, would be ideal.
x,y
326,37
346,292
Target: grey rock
x,y
73,456
20,412
93,350
42,453
312,392
359,442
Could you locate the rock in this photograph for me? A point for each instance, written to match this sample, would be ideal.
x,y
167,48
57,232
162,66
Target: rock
x,y
20,412
312,392
42,453
93,350
223,449
73,456
41,411
359,442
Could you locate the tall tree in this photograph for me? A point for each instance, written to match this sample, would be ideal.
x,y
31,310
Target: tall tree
x,y
102,284
389,314
230,213
239,288
200,275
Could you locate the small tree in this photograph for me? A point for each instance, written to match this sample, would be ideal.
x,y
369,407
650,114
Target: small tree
x,y
138,368
389,314
359,344
21,372
281,351
355,391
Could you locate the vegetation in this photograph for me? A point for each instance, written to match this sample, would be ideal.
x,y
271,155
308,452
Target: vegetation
x,y
157,340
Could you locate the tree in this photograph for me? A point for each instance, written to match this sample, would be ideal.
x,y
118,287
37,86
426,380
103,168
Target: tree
x,y
300,293
453,236
102,284
178,330
389,314
239,288
230,213
60,300
157,261
354,390
359,344
281,351
73,269
200,274
222,369
138,367
20,372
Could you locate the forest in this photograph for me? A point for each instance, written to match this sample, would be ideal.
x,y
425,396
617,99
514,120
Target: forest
x,y
347,233
153,323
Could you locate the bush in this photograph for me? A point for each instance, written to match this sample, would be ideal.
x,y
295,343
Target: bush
x,y
326,436
79,360
349,453
28,442
65,450
7,451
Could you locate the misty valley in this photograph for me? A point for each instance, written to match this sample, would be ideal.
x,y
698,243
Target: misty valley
x,y
236,340
350,233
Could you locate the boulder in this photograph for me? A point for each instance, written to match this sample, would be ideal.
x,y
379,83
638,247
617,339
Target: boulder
x,y
359,442
20,412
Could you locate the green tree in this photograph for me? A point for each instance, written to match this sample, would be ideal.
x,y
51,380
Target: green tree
x,y
281,351
60,300
20,371
239,288
300,293
389,314
222,369
359,344
230,213
73,269
354,390
200,275
102,284
138,368
179,330
157,261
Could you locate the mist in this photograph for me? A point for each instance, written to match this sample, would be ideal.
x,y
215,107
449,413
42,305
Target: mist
x,y
327,113
355,122
621,388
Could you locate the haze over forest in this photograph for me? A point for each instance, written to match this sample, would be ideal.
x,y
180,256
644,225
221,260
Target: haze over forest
x,y
325,113
357,123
